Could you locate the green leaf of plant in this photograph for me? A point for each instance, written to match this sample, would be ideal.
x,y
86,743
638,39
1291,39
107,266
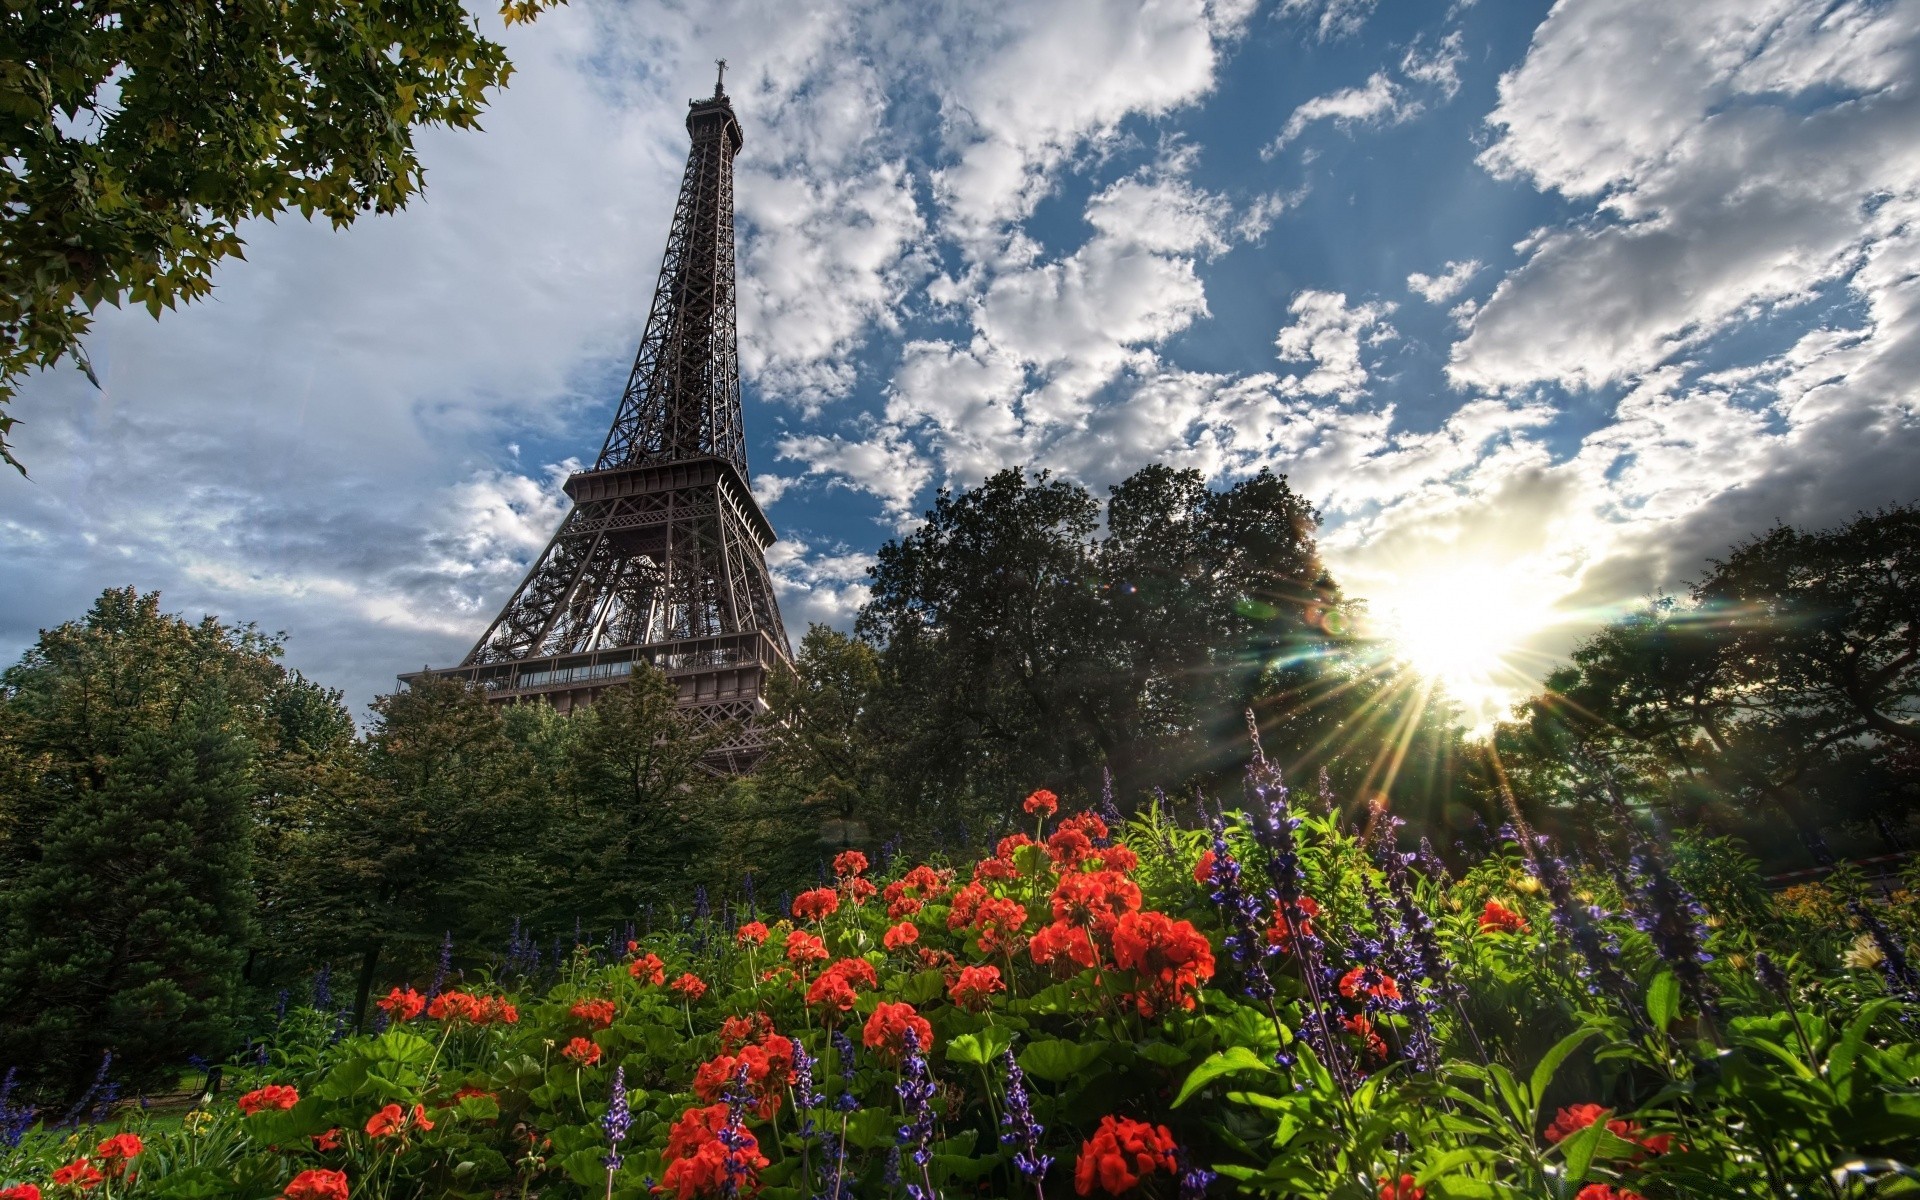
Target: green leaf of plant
x,y
1549,1065
1056,1060
979,1049
1663,1000
1224,1062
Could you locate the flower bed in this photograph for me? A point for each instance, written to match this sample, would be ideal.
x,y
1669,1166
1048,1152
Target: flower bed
x,y
1270,1006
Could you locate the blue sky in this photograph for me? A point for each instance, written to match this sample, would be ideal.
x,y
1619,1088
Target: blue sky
x,y
1541,304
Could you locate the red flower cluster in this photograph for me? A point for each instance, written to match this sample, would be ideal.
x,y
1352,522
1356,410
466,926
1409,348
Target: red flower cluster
x,y
1120,1153
886,1030
1402,1188
1280,932
849,862
860,890
402,1005
1373,1045
998,921
1095,900
475,1010
803,948
1603,1191
1065,948
648,969
900,936
1498,918
905,896
581,1051
1002,866
816,904
698,1163
975,987
1118,857
118,1151
79,1174
769,1067
597,1012
1069,847
839,985
326,1142
1369,981
690,986
393,1119
1575,1117
22,1191
1203,870
738,1031
1171,957
1041,803
274,1095
318,1184
752,933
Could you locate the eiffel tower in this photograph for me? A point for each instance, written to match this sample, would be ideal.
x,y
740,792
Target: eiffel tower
x,y
662,558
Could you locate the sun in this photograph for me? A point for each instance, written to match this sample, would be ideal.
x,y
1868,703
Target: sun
x,y
1466,626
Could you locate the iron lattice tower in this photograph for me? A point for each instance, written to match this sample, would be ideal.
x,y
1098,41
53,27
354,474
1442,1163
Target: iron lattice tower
x,y
662,557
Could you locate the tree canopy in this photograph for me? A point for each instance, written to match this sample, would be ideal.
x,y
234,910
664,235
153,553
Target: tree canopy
x,y
139,137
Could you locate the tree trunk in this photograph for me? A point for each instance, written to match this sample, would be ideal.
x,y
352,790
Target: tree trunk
x,y
363,991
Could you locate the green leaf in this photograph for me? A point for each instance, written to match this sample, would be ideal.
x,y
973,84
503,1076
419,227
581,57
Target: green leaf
x,y
1056,1060
979,1049
1663,1000
1549,1066
1840,1062
1224,1062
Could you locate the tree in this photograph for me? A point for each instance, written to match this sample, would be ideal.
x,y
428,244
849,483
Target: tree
x,y
413,835
130,742
139,136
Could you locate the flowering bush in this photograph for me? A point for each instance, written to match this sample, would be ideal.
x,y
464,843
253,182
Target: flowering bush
x,y
1267,1006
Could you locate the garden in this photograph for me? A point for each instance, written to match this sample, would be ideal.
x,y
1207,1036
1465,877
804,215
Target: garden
x,y
1261,999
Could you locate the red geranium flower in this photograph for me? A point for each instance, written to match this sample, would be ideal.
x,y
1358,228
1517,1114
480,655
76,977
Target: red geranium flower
x,y
1095,900
22,1191
393,1119
900,936
738,1031
1575,1117
849,862
769,1069
1065,948
1603,1191
1401,1189
1005,847
1120,1153
1042,803
595,1012
816,904
402,1005
117,1151
1369,981
803,948
499,1010
317,1185
1498,918
1069,847
649,969
1203,870
754,932
326,1142
274,1095
998,921
457,1006
965,902
1280,933
691,986
581,1051
975,988
79,1174
861,890
995,870
887,1027
698,1163
1171,957
1360,1027
1118,857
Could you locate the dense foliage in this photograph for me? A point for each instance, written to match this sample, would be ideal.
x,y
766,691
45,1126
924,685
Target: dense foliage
x,y
1276,1004
1780,700
139,136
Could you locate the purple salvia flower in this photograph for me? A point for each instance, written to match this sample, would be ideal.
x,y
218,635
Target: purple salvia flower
x,y
1109,810
1023,1133
1194,1181
443,966
1666,913
15,1120
843,1046
1246,941
617,1121
915,1090
280,1007
322,991
1597,950
733,1135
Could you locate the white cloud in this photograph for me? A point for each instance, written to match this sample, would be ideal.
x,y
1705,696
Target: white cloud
x,y
1331,335
1331,19
1437,289
880,465
1379,101
826,587
1440,68
1726,180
